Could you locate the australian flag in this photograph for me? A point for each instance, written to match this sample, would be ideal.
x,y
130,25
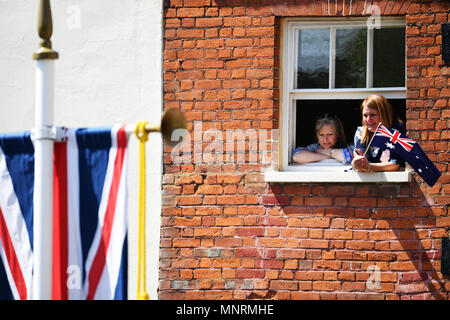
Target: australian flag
x,y
89,215
409,150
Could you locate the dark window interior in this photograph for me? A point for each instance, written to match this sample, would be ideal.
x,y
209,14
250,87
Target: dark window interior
x,y
348,111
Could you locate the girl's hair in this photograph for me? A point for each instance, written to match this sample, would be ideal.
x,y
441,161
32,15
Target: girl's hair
x,y
336,124
387,117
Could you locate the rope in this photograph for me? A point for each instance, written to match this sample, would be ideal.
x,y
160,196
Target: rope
x,y
142,135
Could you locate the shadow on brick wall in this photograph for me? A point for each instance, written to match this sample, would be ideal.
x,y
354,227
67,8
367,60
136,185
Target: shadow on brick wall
x,y
391,226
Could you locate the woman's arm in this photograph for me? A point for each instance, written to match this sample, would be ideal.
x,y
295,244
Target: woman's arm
x,y
360,163
384,166
337,154
308,156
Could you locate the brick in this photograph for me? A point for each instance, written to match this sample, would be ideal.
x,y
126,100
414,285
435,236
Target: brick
x,y
233,84
338,234
407,277
210,189
181,242
420,62
249,273
239,42
359,245
419,19
323,244
360,224
207,232
227,263
208,22
230,199
233,221
190,33
275,200
291,253
229,178
318,222
247,252
271,242
260,31
210,43
250,231
382,235
283,285
318,201
207,273
196,3
184,221
445,92
326,285
381,256
237,21
260,94
403,266
340,190
190,12
210,64
189,75
189,200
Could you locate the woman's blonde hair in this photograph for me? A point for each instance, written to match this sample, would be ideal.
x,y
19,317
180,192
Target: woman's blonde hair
x,y
384,108
336,124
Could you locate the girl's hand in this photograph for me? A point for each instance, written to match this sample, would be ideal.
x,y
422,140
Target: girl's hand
x,y
360,162
325,152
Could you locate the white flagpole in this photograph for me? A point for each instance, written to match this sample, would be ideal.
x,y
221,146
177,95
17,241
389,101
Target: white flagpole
x,y
43,144
370,142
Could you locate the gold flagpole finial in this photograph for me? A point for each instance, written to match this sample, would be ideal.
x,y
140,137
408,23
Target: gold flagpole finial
x,y
45,30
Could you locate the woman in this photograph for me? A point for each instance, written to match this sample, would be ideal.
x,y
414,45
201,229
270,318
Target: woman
x,y
330,143
375,109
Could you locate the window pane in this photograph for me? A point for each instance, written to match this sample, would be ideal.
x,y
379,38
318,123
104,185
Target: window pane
x,y
313,58
389,57
351,53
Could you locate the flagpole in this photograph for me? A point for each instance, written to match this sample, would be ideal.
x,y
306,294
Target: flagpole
x,y
43,144
370,142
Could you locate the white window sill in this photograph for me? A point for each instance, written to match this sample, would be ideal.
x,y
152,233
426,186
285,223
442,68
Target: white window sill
x,y
321,174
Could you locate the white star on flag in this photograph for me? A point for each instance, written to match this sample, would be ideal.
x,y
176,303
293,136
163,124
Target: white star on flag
x,y
390,145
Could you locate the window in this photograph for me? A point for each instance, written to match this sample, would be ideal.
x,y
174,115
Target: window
x,y
331,66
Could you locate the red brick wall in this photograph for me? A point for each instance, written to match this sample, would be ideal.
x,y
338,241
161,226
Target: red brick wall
x,y
228,235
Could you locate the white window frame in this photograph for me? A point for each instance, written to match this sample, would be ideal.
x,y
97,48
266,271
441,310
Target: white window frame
x,y
327,170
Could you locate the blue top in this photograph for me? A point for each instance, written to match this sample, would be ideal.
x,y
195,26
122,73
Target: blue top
x,y
374,153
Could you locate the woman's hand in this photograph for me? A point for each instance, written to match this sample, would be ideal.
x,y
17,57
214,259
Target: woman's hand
x,y
360,162
332,153
325,152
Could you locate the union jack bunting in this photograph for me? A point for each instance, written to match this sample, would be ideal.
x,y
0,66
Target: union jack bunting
x,y
89,218
409,150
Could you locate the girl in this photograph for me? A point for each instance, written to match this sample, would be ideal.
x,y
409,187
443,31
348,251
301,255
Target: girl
x,y
330,143
375,109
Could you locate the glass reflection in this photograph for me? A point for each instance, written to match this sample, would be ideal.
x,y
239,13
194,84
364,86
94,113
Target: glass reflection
x,y
313,58
351,58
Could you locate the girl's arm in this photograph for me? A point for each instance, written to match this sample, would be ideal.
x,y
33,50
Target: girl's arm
x,y
360,163
384,166
308,156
